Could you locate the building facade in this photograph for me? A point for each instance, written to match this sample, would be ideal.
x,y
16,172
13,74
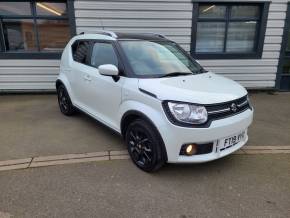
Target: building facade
x,y
244,40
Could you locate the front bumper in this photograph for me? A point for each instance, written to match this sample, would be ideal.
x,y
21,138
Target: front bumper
x,y
175,136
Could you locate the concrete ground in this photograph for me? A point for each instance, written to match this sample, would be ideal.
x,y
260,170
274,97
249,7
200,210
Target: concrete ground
x,y
236,186
32,125
271,126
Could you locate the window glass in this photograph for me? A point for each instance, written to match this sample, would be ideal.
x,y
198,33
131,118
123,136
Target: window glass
x,y
227,28
210,37
51,9
53,34
212,11
34,26
19,35
153,58
81,52
241,36
15,8
103,53
245,12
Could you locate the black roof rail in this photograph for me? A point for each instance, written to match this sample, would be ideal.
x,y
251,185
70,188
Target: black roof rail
x,y
104,32
155,34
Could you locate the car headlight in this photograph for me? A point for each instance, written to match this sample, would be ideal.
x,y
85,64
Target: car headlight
x,y
187,113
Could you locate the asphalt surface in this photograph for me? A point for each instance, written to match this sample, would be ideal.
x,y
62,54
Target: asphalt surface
x,y
271,126
235,186
32,125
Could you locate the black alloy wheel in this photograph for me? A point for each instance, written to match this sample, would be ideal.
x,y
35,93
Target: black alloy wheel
x,y
64,101
144,146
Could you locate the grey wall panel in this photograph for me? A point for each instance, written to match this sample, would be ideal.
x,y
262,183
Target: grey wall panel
x,y
169,17
258,84
271,55
278,7
276,23
239,63
244,71
28,74
272,47
277,15
274,32
29,63
11,86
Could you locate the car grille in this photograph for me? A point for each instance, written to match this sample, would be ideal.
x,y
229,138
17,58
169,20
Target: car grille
x,y
214,111
223,110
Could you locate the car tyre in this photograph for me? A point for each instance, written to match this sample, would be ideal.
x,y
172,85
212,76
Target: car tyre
x,y
64,101
144,145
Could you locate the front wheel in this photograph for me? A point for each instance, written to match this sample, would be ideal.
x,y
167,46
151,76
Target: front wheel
x,y
144,146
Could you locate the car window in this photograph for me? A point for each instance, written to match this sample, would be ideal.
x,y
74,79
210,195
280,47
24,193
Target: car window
x,y
157,58
103,53
80,51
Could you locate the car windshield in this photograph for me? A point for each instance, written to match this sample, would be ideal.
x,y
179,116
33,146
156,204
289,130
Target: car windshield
x,y
158,59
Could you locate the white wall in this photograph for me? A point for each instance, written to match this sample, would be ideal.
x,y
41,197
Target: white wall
x,y
28,74
169,17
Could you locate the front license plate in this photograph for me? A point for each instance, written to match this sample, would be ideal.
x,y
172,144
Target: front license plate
x,y
232,141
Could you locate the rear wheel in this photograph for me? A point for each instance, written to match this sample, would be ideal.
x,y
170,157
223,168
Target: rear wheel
x,y
144,146
64,101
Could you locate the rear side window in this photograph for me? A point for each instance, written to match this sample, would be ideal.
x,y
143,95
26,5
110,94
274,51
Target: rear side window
x,y
80,51
103,53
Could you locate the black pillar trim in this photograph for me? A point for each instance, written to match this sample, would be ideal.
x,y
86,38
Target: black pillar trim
x,y
283,49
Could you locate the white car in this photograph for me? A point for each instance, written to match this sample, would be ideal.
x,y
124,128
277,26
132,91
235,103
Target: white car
x,y
163,103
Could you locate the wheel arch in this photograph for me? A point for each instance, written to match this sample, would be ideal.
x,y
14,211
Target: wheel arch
x,y
58,82
132,115
62,80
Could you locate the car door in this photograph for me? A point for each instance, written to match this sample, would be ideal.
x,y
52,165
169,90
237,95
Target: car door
x,y
104,93
79,70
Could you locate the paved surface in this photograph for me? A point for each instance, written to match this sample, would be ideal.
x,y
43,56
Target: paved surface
x,y
236,186
271,126
31,125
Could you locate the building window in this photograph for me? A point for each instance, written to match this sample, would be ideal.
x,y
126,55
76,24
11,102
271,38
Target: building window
x,y
228,30
35,29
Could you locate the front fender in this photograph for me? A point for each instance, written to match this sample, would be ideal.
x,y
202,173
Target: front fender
x,y
151,112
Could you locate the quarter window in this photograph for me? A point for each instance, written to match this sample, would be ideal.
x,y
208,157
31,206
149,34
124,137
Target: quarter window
x,y
41,27
228,30
80,51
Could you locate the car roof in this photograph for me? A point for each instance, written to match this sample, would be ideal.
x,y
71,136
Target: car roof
x,y
108,35
141,36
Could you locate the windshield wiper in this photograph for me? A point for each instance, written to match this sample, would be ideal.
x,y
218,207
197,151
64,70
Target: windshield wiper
x,y
201,70
175,74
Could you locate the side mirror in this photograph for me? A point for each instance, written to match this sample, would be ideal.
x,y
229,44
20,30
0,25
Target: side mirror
x,y
108,70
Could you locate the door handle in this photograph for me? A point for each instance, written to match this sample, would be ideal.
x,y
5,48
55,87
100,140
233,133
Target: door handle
x,y
87,78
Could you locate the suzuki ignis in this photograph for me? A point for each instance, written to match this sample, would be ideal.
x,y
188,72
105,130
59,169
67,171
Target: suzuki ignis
x,y
165,105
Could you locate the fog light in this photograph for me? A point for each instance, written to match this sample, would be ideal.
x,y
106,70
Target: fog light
x,y
191,149
196,149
